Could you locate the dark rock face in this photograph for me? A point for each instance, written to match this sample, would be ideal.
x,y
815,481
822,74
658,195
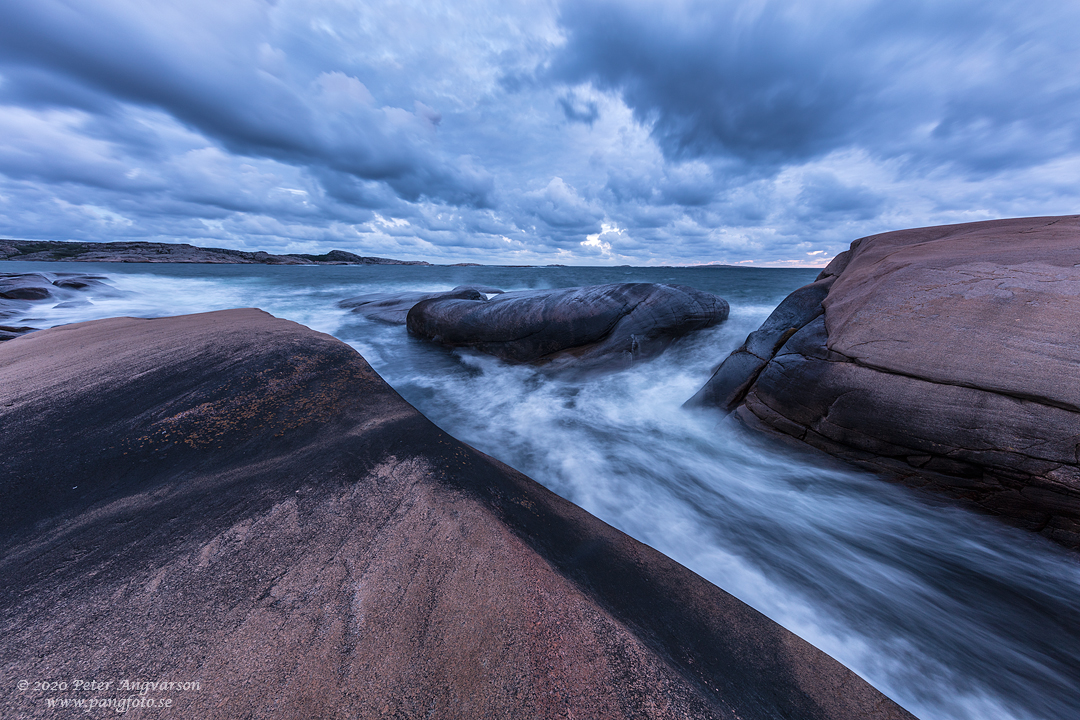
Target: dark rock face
x,y
946,357
394,307
28,286
242,502
731,381
20,291
600,326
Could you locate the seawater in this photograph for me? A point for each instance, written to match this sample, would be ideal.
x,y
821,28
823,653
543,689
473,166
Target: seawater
x,y
952,614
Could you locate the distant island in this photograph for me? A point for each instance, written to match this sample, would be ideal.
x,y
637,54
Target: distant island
x,y
148,252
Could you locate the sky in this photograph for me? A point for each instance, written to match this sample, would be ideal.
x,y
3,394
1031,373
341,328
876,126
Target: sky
x,y
681,132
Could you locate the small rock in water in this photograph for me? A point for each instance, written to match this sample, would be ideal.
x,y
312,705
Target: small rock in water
x,y
10,332
30,286
394,307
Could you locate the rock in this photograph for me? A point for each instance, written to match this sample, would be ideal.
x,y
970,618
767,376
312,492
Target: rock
x,y
236,501
394,308
43,286
729,384
584,328
946,357
486,289
10,332
81,282
20,291
28,286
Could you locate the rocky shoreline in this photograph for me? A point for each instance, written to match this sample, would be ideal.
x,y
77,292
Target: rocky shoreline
x,y
148,252
242,505
943,357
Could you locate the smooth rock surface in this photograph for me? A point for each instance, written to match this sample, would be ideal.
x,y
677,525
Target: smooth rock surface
x,y
947,357
238,501
584,328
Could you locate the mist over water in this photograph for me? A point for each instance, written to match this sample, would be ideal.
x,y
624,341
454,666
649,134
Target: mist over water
x,y
952,614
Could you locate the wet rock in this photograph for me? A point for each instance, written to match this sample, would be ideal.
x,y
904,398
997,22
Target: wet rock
x,y
20,293
10,332
81,282
394,307
582,328
946,357
731,381
28,286
238,501
486,289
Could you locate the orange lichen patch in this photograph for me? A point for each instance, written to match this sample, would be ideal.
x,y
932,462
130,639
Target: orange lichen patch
x,y
300,391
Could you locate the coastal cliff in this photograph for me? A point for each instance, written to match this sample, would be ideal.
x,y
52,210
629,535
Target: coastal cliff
x,y
946,357
241,505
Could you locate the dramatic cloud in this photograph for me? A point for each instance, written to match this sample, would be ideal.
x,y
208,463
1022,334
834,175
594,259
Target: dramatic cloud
x,y
959,82
506,131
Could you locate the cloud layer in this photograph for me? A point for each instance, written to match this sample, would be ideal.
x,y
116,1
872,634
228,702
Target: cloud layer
x,y
597,131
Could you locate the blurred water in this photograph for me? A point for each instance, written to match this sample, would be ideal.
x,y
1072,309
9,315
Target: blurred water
x,y
954,615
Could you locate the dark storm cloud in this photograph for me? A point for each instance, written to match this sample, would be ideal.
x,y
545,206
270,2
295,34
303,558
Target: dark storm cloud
x,y
214,78
824,197
522,131
977,85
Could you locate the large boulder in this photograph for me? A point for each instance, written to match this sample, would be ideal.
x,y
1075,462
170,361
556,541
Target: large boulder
x,y
599,326
945,356
240,505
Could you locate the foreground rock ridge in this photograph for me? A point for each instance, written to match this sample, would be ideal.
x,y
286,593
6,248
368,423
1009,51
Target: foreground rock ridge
x,y
946,357
596,327
148,252
238,501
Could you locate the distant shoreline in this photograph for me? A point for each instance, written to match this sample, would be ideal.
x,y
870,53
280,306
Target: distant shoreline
x,y
148,252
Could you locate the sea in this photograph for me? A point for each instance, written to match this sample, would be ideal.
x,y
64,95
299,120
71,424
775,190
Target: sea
x,y
951,613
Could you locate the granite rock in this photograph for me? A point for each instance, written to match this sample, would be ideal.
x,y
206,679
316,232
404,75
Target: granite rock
x,y
581,328
946,357
236,501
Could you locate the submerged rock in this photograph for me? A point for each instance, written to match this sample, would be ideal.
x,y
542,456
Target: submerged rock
x,y
947,357
19,293
390,307
599,326
242,502
10,332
